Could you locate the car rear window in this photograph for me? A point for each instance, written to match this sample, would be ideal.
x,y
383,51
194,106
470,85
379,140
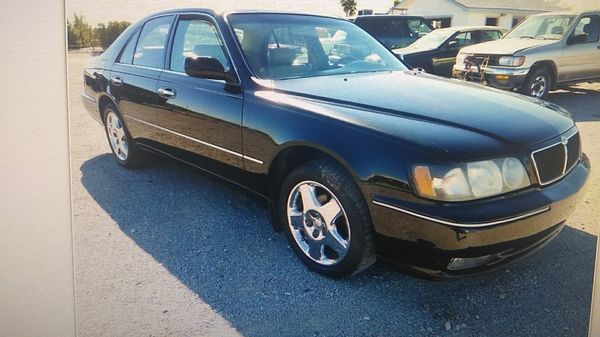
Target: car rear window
x,y
150,50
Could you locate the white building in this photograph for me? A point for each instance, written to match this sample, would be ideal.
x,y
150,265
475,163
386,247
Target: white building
x,y
502,13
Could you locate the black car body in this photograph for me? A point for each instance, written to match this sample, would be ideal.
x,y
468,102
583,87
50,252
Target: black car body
x,y
257,113
394,31
436,52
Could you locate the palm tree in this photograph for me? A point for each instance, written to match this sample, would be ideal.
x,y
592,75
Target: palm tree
x,y
349,7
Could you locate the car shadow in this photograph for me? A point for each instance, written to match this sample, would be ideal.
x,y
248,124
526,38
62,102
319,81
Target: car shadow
x,y
219,243
578,101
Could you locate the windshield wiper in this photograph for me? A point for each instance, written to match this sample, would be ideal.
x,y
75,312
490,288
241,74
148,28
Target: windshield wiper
x,y
527,37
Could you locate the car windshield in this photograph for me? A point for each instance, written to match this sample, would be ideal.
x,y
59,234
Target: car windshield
x,y
282,46
432,40
542,27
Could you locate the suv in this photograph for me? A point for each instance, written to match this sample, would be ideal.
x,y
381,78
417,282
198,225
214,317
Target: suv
x,y
540,54
394,31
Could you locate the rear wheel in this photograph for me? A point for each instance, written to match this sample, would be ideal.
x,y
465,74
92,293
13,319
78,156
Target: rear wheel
x,y
326,219
122,145
538,83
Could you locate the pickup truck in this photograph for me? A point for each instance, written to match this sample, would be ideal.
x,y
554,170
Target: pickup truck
x,y
544,52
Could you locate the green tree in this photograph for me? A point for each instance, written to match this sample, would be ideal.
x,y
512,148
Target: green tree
x,y
397,2
349,7
79,32
107,34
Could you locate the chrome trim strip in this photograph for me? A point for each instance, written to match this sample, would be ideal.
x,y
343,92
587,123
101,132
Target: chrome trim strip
x,y
565,170
455,224
237,154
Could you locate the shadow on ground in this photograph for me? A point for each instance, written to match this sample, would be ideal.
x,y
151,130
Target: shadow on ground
x,y
220,244
578,101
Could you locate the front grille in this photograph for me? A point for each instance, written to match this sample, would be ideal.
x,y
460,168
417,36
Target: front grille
x,y
554,161
482,60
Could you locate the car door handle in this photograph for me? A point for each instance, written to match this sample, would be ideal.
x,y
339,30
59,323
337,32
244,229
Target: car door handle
x,y
116,80
166,92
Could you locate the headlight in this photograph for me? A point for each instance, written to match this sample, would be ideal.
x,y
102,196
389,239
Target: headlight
x,y
511,61
460,58
468,181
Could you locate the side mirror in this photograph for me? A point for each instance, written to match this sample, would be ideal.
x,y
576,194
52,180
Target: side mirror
x,y
452,44
206,67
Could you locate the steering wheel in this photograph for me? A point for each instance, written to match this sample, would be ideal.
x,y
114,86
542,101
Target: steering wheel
x,y
345,60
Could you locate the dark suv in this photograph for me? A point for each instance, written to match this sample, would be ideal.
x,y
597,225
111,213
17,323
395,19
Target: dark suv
x,y
394,31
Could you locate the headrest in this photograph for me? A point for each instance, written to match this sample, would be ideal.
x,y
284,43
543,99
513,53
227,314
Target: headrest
x,y
588,29
558,30
281,56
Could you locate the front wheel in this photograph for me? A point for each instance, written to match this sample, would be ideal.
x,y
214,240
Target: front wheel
x,y
537,84
326,219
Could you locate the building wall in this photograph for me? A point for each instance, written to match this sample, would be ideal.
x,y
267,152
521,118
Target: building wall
x,y
474,18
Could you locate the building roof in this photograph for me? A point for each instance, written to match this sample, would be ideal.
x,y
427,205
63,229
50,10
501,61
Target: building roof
x,y
529,5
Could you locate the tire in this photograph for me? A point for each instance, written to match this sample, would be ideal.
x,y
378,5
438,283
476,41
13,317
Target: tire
x,y
121,144
326,220
537,84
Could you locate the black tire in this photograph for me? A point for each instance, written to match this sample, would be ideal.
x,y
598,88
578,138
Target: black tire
x,y
133,157
353,222
537,83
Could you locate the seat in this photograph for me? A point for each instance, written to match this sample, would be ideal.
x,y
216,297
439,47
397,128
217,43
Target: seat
x,y
557,30
591,31
280,64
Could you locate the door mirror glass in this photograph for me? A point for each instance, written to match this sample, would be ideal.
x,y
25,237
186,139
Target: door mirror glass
x,y
204,67
453,44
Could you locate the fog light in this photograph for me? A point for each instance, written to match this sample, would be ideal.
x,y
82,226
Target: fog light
x,y
502,77
460,263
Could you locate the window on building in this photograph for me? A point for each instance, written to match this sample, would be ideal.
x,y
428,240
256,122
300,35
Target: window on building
x,y
517,19
489,21
441,22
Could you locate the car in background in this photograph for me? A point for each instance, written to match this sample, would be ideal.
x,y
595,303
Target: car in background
x,y
436,52
394,31
542,53
358,155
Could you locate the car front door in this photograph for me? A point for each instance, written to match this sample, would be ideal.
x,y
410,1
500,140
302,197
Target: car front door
x,y
134,76
581,58
443,62
201,116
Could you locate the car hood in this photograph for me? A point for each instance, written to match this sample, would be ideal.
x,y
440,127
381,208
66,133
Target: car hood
x,y
506,117
411,50
504,46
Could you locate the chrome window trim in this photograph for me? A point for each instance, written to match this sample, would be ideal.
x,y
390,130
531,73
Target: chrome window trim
x,y
565,169
456,224
237,154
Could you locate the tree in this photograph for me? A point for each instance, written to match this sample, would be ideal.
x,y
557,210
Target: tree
x,y
79,32
397,2
349,7
106,34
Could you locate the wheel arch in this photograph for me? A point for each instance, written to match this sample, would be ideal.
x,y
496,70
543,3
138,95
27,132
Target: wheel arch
x,y
291,156
551,66
103,101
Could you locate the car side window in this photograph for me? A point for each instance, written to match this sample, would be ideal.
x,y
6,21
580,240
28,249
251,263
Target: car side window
x,y
150,49
196,37
127,54
464,39
587,29
489,35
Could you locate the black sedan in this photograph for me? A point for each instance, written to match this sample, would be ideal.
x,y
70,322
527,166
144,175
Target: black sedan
x,y
359,156
436,52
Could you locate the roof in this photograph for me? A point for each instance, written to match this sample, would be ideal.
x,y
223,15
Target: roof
x,y
468,28
529,5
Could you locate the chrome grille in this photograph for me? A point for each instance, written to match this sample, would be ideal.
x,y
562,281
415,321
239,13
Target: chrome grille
x,y
554,161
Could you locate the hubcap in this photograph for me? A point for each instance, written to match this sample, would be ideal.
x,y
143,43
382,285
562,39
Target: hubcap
x,y
116,135
538,87
318,223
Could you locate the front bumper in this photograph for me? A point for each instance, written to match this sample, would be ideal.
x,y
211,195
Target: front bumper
x,y
459,239
498,77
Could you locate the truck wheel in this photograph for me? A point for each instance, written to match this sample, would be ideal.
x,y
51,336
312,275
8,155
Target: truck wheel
x,y
537,84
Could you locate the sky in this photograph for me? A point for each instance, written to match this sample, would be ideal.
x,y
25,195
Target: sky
x,y
96,11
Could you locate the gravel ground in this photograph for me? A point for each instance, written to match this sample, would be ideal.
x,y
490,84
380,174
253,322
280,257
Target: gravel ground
x,y
170,251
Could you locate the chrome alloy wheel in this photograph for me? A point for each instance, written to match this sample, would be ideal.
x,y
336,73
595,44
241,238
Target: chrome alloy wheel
x,y
318,223
116,135
538,86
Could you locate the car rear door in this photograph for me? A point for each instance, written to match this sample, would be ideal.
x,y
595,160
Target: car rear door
x,y
134,76
201,116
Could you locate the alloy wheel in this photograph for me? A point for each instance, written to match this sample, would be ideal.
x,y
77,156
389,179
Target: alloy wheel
x,y
318,223
116,135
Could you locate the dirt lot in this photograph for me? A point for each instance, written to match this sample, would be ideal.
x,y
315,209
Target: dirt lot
x,y
169,251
